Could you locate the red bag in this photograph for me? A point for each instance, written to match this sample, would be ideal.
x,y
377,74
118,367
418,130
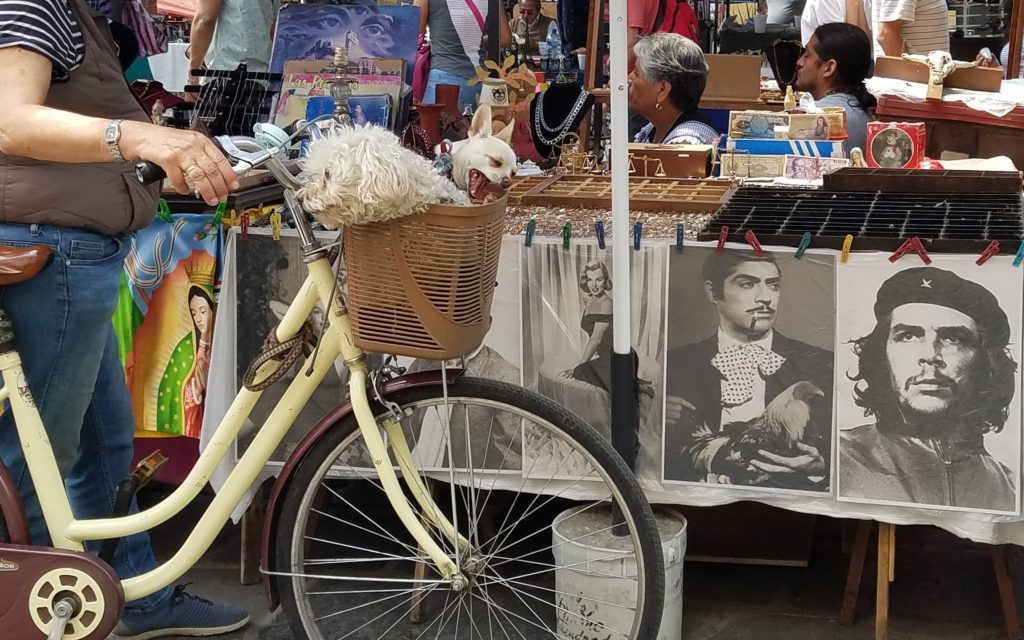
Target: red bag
x,y
421,70
677,16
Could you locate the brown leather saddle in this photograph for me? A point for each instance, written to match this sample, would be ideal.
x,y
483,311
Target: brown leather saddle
x,y
18,264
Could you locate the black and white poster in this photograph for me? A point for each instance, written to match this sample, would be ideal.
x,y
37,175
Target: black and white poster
x,y
749,369
567,338
928,387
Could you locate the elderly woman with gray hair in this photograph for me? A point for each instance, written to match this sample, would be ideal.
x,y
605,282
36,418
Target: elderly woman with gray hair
x,y
665,87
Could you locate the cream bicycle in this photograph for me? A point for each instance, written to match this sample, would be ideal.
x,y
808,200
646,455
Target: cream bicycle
x,y
429,505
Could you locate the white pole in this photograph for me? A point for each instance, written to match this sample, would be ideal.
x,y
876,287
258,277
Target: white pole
x,y
619,159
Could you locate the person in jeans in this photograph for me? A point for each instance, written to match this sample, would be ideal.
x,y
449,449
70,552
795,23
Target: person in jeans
x,y
457,29
69,131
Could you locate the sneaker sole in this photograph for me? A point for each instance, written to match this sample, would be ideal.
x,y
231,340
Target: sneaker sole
x,y
188,632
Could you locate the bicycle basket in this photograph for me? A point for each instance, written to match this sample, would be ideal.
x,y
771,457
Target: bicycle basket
x,y
422,286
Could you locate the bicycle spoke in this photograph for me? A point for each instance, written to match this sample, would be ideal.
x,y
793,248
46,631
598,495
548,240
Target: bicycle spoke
x,y
544,530
492,606
551,547
516,615
571,613
574,595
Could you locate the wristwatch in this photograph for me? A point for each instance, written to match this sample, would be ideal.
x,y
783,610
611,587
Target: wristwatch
x,y
112,136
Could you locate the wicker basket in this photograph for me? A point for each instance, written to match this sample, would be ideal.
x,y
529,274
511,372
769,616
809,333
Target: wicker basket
x,y
422,286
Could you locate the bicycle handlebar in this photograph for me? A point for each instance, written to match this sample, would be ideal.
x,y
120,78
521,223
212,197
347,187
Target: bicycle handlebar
x,y
247,153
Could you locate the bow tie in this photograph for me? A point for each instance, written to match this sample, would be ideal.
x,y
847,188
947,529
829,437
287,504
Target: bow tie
x,y
739,364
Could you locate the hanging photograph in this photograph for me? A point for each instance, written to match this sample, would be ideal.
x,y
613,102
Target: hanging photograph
x,y
567,342
311,32
928,383
749,368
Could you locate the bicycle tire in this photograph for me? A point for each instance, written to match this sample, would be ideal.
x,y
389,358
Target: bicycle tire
x,y
633,499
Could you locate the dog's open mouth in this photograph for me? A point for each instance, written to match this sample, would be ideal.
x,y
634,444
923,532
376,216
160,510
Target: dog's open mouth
x,y
480,187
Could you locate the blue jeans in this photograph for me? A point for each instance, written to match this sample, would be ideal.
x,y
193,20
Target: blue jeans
x,y
467,94
63,331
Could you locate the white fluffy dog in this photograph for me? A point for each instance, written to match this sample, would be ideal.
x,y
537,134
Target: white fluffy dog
x,y
364,174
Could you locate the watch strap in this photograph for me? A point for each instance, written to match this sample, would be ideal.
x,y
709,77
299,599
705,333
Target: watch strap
x,y
112,136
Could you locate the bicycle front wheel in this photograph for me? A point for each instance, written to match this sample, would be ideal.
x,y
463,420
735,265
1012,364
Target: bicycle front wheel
x,y
558,540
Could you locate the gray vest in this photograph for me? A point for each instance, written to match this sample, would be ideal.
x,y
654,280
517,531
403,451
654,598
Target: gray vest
x,y
103,197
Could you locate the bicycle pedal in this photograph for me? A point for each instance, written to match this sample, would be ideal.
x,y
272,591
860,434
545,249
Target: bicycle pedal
x,y
148,467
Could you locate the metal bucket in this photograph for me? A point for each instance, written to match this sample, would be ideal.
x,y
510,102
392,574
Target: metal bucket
x,y
595,570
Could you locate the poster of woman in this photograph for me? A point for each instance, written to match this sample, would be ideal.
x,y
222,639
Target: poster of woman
x,y
567,339
202,309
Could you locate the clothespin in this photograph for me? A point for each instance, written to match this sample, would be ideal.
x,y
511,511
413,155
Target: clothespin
x,y
804,243
752,240
991,250
275,225
638,232
218,216
722,235
566,235
1019,258
245,225
905,248
847,245
680,234
599,232
921,251
164,212
531,228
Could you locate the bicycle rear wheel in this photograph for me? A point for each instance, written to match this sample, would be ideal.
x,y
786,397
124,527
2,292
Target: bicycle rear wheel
x,y
346,567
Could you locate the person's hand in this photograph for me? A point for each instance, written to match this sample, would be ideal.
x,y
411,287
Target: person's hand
x,y
986,59
809,463
675,407
191,161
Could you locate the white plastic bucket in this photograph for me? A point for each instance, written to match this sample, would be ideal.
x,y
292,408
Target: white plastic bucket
x,y
596,574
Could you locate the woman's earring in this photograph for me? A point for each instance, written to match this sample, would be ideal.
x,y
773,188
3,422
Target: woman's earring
x,y
658,106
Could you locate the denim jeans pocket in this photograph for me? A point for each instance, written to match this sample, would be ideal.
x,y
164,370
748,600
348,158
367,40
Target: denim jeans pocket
x,y
94,251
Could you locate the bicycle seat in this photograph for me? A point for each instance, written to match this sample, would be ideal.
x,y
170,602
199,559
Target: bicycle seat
x,y
18,264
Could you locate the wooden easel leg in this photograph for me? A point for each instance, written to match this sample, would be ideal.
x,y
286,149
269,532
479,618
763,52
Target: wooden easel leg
x,y
886,546
252,537
1006,597
856,572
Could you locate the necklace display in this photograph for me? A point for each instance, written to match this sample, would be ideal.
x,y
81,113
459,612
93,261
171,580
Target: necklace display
x,y
541,127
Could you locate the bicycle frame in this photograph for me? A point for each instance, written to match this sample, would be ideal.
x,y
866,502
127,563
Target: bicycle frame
x,y
337,341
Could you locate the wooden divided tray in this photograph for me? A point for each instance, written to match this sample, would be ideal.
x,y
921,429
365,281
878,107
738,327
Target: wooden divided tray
x,y
521,186
682,195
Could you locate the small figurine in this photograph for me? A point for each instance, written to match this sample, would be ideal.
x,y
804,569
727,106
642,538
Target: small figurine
x,y
443,164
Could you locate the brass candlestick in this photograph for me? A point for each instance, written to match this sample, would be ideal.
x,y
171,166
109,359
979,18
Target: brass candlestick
x,y
341,88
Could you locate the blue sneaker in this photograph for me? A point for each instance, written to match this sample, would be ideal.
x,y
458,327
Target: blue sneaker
x,y
187,615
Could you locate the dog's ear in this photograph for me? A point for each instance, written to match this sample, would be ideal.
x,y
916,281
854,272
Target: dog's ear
x,y
505,135
481,125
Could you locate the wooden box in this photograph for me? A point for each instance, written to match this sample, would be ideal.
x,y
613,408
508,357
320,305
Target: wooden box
x,y
670,160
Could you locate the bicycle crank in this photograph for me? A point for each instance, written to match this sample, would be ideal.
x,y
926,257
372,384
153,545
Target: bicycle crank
x,y
54,594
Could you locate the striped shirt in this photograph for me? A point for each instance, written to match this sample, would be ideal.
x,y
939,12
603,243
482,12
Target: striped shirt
x,y
47,27
926,28
689,132
1004,58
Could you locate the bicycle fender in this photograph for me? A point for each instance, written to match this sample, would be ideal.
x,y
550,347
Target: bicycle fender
x,y
13,509
401,383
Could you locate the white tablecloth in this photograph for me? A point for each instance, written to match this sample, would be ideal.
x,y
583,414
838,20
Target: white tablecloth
x,y
171,68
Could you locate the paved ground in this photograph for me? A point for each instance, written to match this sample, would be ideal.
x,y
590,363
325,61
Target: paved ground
x,y
944,590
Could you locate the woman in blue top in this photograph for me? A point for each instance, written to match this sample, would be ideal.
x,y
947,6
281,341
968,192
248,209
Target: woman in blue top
x,y
665,87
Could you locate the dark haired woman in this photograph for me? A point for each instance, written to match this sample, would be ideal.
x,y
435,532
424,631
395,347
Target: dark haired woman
x,y
833,69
